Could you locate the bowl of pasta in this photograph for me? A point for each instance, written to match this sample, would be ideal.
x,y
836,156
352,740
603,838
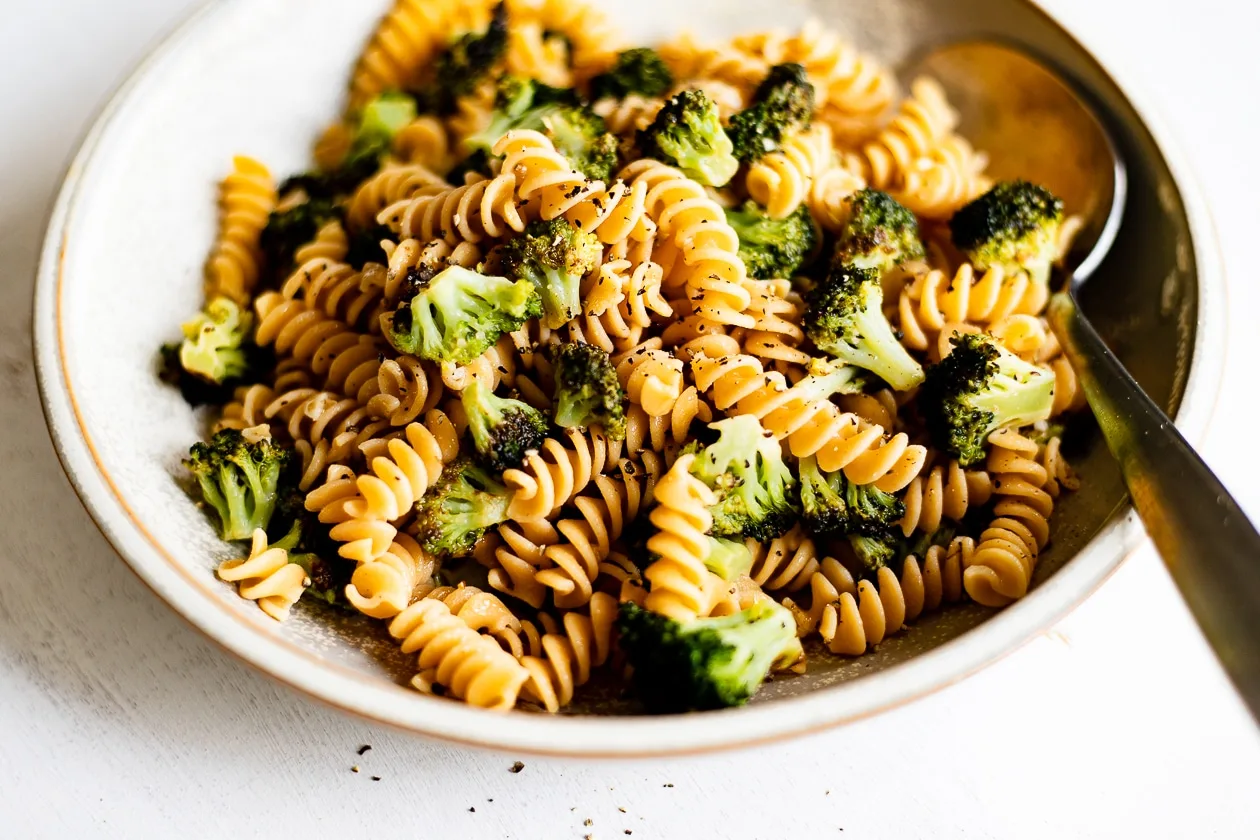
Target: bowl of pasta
x,y
598,379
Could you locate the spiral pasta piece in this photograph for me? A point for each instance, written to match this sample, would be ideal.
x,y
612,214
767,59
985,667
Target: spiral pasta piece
x,y
561,658
246,198
1002,567
338,291
782,180
423,142
652,377
468,213
451,654
574,563
330,243
515,553
552,476
681,587
392,184
811,425
946,492
784,564
266,576
481,611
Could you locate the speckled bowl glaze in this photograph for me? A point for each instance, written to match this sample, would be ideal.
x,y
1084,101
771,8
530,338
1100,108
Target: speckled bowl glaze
x,y
122,267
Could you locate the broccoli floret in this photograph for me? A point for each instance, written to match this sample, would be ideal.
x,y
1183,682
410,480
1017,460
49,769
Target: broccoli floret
x,y
457,314
745,468
242,481
519,103
639,70
728,559
588,392
783,102
1015,225
772,248
466,62
710,663
874,552
687,132
823,508
870,511
215,342
382,118
456,511
844,317
978,388
879,234
553,256
503,429
288,230
581,137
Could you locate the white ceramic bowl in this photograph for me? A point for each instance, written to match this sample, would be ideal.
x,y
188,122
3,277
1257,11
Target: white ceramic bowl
x,y
121,268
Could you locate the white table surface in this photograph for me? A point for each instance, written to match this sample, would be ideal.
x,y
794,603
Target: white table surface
x,y
118,720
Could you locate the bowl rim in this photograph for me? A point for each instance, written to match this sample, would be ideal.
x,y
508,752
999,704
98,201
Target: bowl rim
x,y
592,736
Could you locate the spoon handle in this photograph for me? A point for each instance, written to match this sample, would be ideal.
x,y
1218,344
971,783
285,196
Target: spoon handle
x,y
1209,547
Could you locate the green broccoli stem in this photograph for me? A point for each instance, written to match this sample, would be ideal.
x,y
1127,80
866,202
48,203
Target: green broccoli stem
x,y
561,297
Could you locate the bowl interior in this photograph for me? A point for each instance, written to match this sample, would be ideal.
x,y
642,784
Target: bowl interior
x,y
123,268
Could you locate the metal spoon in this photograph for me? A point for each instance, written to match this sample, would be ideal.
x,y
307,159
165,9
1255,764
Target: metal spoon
x,y
1036,127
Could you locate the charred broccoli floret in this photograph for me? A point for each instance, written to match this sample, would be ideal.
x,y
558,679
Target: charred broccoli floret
x,y
978,388
874,552
870,511
502,429
844,317
769,247
242,481
783,102
468,60
588,392
288,230
640,71
710,663
456,511
745,468
687,133
457,314
879,234
581,137
215,345
553,256
1015,226
823,508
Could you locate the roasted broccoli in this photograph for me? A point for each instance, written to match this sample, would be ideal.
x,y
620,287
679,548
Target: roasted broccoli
x,y
844,317
324,580
710,663
772,247
553,256
728,559
502,429
215,345
519,103
879,234
457,510
874,552
870,511
582,138
745,468
242,481
978,388
783,102
823,508
1015,226
468,60
457,314
687,132
639,71
290,229
588,392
